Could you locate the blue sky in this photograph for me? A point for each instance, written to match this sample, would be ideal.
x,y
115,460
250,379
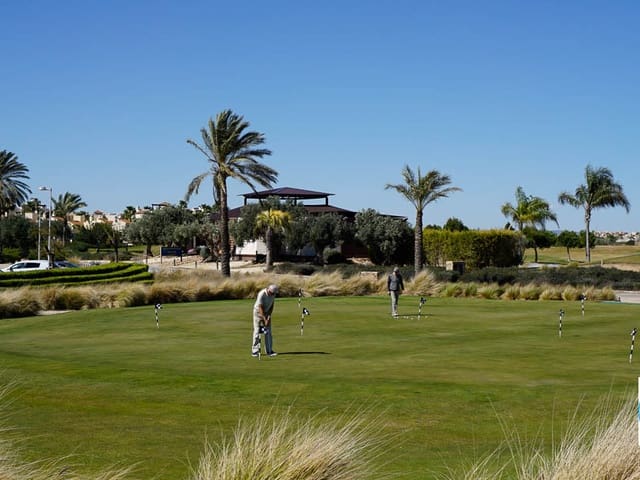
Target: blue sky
x,y
99,98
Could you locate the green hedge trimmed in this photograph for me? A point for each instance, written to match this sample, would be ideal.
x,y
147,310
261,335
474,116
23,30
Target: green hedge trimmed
x,y
477,248
109,272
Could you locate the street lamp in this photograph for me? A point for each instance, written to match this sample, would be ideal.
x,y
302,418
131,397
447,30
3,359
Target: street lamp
x,y
49,254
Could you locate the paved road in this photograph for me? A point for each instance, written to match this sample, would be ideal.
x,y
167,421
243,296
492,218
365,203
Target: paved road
x,y
628,296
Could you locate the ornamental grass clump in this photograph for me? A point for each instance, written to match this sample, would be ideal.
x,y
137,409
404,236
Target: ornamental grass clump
x,y
424,283
490,291
132,295
512,292
19,303
286,448
603,446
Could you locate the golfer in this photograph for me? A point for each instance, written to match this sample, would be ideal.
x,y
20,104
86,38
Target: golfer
x,y
262,310
395,287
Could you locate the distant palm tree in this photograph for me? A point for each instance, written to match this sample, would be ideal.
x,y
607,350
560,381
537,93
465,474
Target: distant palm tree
x,y
421,191
129,213
599,191
13,191
65,205
268,221
529,211
232,153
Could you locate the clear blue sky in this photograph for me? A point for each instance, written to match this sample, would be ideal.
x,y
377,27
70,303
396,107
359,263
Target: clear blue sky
x,y
99,98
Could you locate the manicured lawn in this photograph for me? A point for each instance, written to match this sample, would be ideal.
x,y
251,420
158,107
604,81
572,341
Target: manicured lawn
x,y
607,254
110,388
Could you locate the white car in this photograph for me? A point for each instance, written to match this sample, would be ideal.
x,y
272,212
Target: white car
x,y
26,265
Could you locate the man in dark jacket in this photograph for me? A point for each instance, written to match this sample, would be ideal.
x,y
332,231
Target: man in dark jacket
x,y
395,287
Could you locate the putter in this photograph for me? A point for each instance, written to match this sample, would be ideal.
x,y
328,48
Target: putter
x,y
257,342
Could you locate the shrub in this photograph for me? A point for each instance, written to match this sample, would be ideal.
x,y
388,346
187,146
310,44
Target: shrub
x,y
550,292
512,292
570,294
19,303
490,291
602,446
297,450
332,256
424,283
530,291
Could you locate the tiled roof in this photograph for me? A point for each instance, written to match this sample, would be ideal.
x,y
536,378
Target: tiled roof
x,y
287,192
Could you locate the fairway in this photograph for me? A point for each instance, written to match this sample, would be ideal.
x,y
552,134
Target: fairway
x,y
109,388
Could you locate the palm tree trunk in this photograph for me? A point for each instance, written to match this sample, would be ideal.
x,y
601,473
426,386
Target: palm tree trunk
x,y
225,247
417,257
587,221
268,237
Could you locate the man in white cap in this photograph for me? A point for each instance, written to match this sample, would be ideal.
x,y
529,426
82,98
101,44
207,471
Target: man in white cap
x,y
262,310
395,286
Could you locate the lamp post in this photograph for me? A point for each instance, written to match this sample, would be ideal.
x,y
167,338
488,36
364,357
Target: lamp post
x,y
49,254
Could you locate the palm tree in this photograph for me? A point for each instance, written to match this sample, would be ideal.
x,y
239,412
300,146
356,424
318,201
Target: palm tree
x,y
232,152
268,221
13,191
421,191
599,191
529,211
64,206
129,213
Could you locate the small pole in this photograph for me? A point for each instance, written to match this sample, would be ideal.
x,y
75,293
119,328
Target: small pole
x,y
422,302
304,312
633,341
157,307
560,323
582,297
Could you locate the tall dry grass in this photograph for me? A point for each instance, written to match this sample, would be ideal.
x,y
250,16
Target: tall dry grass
x,y
205,285
602,446
271,448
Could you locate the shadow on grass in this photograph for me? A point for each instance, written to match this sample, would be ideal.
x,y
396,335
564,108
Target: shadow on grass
x,y
303,353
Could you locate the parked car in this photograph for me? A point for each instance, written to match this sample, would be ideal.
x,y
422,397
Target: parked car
x,y
26,265
64,264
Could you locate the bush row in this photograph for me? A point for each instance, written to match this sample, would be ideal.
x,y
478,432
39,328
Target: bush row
x,y
110,272
596,276
178,287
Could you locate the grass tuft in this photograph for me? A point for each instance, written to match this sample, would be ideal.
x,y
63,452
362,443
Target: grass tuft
x,y
288,449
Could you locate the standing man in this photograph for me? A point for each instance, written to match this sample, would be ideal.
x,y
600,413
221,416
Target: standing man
x,y
262,310
395,287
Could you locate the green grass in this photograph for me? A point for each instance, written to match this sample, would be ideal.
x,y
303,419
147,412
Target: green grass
x,y
607,254
110,388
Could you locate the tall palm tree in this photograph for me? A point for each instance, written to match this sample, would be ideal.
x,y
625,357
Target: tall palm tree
x,y
65,205
600,190
421,191
232,152
269,221
529,211
13,190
